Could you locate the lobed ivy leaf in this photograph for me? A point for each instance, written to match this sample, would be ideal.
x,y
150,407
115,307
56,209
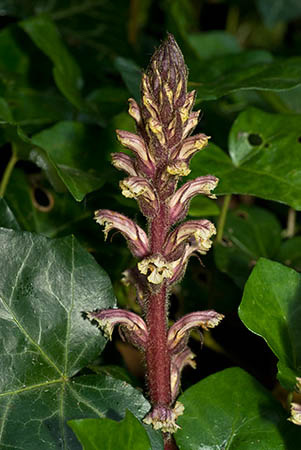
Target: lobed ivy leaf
x,y
271,308
44,343
259,143
250,232
66,71
107,434
231,410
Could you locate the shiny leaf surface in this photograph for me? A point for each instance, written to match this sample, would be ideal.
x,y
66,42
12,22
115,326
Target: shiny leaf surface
x,y
258,163
271,308
230,409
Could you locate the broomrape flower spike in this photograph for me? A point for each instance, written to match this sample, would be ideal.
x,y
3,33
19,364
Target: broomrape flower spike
x,y
162,149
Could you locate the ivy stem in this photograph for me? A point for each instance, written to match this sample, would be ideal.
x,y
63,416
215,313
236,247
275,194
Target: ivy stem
x,y
7,173
222,218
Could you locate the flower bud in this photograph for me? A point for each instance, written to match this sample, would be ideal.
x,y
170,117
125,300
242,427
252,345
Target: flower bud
x,y
134,111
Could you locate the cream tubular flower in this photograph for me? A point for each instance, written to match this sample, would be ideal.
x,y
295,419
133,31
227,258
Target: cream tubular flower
x,y
106,320
179,331
192,145
179,201
121,161
134,111
137,145
179,168
164,419
178,362
156,268
135,236
196,232
134,187
295,413
191,123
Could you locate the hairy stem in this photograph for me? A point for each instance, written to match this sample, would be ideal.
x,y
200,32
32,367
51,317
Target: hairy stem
x,y
222,218
169,443
7,173
157,356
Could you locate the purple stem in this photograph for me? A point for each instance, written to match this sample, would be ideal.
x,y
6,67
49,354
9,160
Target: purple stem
x,y
157,355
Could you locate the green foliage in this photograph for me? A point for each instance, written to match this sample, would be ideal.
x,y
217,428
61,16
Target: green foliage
x,y
124,435
67,68
232,410
258,163
45,342
66,71
271,308
249,233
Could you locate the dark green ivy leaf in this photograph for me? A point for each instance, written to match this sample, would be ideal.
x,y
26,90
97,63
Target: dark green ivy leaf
x,y
250,70
44,342
259,145
107,434
231,410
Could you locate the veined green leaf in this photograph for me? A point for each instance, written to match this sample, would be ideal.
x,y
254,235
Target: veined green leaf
x,y
231,410
258,165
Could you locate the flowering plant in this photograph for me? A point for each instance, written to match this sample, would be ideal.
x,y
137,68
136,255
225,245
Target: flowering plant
x,y
161,151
